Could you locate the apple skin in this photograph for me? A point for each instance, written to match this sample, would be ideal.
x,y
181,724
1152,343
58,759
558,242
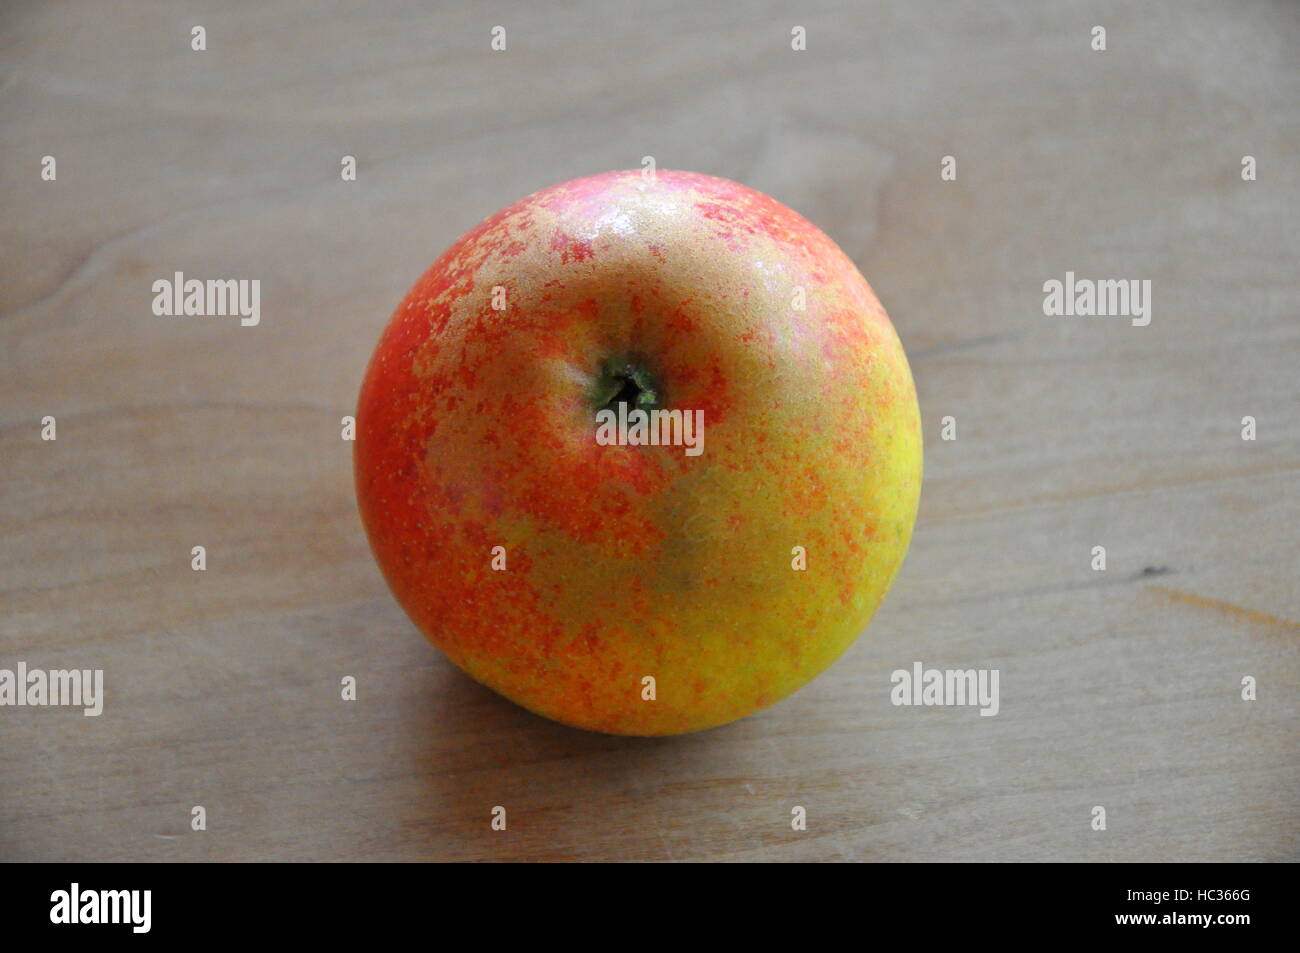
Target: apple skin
x,y
476,429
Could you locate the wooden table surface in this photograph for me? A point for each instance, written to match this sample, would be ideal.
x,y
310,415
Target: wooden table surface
x,y
1119,689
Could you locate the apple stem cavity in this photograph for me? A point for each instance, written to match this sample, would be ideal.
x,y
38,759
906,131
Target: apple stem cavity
x,y
626,381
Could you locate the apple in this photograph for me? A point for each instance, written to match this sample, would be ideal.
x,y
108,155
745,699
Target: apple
x,y
613,583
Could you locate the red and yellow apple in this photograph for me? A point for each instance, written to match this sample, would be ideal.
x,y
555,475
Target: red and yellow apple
x,y
564,572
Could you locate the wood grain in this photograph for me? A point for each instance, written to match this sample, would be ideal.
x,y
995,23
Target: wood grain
x,y
1119,689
